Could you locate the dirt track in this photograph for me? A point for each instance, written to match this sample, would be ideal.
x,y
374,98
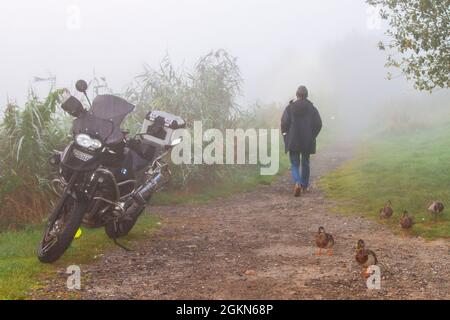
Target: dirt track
x,y
259,245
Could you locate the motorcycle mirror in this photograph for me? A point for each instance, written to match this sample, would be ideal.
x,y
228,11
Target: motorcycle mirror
x,y
176,141
81,86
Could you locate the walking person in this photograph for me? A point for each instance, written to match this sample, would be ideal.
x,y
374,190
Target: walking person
x,y
300,125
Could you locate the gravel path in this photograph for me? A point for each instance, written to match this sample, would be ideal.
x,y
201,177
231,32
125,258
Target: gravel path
x,y
260,245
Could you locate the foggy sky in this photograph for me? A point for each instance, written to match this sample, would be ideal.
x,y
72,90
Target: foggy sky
x,y
328,45
118,37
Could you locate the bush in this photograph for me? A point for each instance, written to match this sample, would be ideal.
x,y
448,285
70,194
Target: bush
x,y
209,93
28,136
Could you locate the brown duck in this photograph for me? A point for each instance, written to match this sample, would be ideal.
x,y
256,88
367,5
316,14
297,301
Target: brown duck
x,y
324,241
406,222
386,212
436,208
365,257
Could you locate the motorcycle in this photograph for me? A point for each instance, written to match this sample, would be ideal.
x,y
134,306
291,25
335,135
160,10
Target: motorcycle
x,y
105,179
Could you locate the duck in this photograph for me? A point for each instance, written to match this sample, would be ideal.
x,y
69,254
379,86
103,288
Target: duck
x,y
386,212
324,241
436,208
406,222
365,257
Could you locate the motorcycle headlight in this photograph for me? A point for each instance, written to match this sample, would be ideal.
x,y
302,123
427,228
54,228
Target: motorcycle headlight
x,y
85,141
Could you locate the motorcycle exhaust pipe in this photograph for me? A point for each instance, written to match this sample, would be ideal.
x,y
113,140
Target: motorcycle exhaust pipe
x,y
145,192
142,195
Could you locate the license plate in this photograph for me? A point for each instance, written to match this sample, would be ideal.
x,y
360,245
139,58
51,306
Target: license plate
x,y
80,155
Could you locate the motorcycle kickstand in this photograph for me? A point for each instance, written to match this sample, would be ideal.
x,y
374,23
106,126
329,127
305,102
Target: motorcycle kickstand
x,y
119,244
122,246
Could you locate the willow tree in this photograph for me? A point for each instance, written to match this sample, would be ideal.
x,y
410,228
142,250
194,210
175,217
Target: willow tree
x,y
419,40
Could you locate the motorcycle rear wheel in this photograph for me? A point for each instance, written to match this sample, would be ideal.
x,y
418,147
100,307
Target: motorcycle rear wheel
x,y
123,226
61,229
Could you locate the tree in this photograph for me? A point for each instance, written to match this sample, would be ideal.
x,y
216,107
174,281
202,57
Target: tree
x,y
419,40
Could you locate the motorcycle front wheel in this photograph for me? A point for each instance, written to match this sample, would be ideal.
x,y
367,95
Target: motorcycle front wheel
x,y
61,229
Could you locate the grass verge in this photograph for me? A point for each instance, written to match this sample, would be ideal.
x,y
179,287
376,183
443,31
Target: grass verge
x,y
20,271
238,181
411,169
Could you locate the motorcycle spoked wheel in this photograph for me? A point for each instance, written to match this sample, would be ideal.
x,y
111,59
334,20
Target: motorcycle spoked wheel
x,y
121,227
61,230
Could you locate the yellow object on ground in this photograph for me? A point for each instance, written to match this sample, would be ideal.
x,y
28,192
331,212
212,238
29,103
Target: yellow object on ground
x,y
78,234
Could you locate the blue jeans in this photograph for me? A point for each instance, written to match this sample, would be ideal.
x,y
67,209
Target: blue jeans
x,y
303,178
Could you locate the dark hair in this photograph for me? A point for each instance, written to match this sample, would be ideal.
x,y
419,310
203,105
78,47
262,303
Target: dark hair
x,y
302,92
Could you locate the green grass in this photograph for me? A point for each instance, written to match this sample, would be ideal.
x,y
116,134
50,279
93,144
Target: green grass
x,y
411,169
20,271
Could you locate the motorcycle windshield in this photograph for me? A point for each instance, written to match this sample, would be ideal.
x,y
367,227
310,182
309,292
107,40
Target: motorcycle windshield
x,y
111,108
104,118
95,127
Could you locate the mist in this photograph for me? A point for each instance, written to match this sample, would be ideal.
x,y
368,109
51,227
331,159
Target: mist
x,y
329,46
